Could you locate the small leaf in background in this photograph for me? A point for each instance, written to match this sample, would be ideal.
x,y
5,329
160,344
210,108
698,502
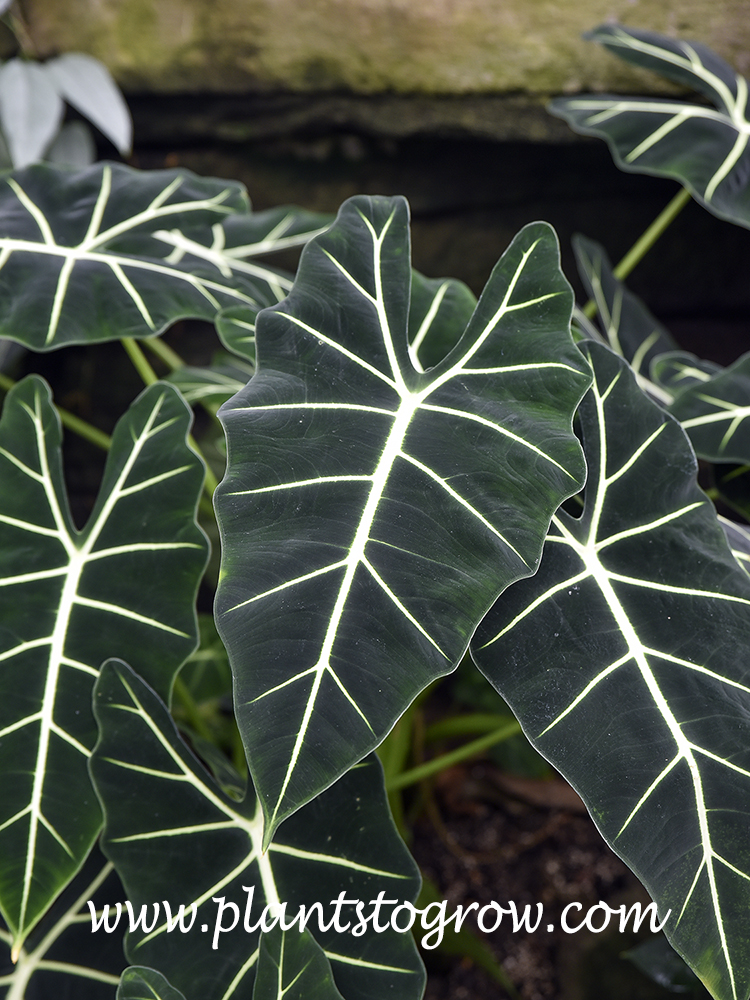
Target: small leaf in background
x,y
140,983
630,329
661,963
625,660
738,537
677,371
124,584
214,385
61,958
73,147
235,326
370,511
87,85
705,148
715,413
174,835
31,110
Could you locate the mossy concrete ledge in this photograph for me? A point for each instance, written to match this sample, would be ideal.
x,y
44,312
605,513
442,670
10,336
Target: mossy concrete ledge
x,y
429,47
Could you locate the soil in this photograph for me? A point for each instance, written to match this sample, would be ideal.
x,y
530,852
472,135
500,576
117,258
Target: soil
x,y
482,837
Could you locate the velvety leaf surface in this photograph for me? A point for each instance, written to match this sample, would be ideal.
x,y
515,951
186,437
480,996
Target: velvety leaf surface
x,y
61,958
371,512
625,660
704,147
291,966
124,584
110,252
630,329
715,413
174,835
439,311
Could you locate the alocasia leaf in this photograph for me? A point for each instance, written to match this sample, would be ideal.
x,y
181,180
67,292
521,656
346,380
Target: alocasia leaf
x,y
61,958
371,512
124,584
141,983
738,537
214,385
704,147
110,252
291,966
625,660
715,413
174,835
439,311
677,371
630,329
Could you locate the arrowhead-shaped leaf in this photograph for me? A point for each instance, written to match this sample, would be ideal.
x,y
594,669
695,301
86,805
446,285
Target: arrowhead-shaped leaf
x,y
625,660
174,835
705,148
124,584
371,512
110,252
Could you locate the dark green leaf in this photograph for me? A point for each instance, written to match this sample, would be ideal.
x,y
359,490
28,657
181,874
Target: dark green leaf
x,y
705,148
141,983
62,958
439,311
291,966
630,329
371,512
215,385
677,371
110,252
625,660
657,960
174,835
124,584
715,413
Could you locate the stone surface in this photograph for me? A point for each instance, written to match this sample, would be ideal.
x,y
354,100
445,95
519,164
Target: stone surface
x,y
428,47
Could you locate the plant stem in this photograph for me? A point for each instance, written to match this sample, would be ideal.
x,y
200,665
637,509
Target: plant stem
x,y
644,242
140,361
463,725
191,710
642,245
149,376
165,353
511,728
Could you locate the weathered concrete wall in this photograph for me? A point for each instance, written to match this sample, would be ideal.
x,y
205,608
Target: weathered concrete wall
x,y
435,47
